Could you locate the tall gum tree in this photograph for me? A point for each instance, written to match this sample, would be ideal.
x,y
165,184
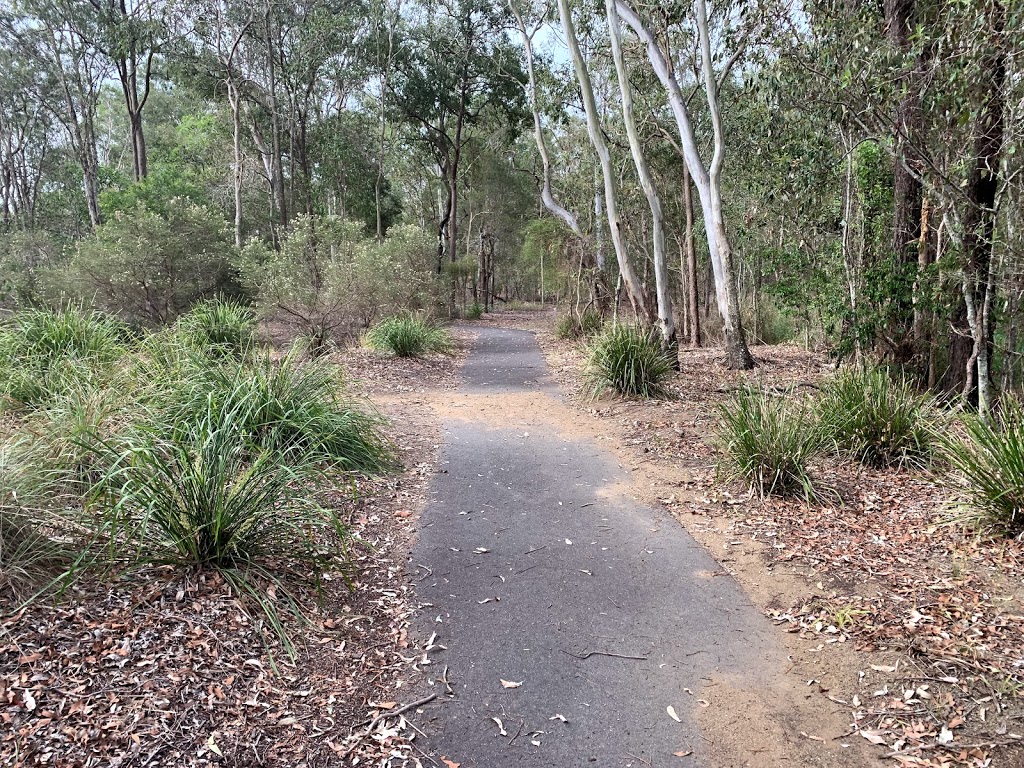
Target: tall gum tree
x,y
706,178
627,271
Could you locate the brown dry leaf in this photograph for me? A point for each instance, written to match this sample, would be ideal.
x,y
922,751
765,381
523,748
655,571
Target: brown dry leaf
x,y
449,763
873,736
683,753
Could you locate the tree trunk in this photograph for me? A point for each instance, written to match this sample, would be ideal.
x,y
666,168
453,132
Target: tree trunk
x,y
706,179
666,318
692,304
626,270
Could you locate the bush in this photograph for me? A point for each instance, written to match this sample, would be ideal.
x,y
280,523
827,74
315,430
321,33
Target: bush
x,y
285,405
876,420
475,311
579,325
628,361
408,336
45,353
150,268
766,441
219,326
328,278
989,457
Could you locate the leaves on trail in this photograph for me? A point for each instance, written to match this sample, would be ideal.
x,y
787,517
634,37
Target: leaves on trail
x,y
449,763
510,684
558,717
672,713
501,726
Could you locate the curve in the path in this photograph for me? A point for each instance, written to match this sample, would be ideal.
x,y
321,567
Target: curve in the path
x,y
534,571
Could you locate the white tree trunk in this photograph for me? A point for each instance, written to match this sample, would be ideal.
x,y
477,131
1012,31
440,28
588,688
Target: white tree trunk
x,y
666,321
706,179
626,270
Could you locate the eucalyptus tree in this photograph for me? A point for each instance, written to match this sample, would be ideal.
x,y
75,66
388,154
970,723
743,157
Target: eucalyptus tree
x,y
453,70
627,270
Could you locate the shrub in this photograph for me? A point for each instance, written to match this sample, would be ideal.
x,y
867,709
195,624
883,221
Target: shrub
x,y
150,267
45,353
328,278
576,325
286,405
219,326
628,361
766,441
408,336
876,420
475,311
989,457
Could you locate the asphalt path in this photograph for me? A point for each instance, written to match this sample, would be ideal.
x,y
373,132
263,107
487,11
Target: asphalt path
x,y
598,612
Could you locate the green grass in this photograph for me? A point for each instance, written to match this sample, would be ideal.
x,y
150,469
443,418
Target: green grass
x,y
766,440
877,420
45,353
219,326
628,361
988,457
575,326
408,336
286,405
204,497
474,311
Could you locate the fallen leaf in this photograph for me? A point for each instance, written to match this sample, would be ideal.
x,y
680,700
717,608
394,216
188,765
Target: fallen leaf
x,y
945,736
683,753
558,717
704,703
449,763
873,736
213,746
510,684
672,713
501,726
882,668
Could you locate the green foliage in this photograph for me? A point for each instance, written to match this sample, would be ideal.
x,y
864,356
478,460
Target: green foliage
x,y
150,268
574,325
26,257
767,440
44,353
219,326
328,278
408,336
877,420
988,455
629,361
474,311
204,497
156,193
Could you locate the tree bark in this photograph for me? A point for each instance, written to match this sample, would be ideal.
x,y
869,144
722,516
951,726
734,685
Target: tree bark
x,y
706,179
626,270
692,304
666,319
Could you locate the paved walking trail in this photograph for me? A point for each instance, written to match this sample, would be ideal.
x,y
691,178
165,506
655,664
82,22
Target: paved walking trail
x,y
537,569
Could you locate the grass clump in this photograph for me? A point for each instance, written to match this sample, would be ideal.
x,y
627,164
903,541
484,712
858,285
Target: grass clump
x,y
474,311
219,326
767,440
44,353
988,456
628,361
288,405
877,420
408,336
579,325
204,497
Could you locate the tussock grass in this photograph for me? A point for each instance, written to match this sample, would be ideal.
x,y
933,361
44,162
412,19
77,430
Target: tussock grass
x,y
408,336
44,353
575,326
220,327
877,420
628,361
988,457
767,440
